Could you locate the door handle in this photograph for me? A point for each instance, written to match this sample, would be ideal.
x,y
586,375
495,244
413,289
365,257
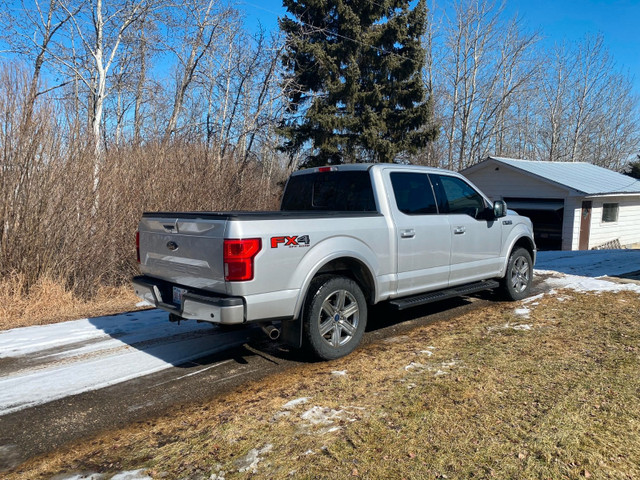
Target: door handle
x,y
459,230
408,233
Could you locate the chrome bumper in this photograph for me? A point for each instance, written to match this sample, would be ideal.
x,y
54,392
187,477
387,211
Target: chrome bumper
x,y
225,310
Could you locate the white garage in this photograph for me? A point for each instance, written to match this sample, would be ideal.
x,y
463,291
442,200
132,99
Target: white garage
x,y
573,205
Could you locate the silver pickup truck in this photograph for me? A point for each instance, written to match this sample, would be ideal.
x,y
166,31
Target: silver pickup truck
x,y
346,237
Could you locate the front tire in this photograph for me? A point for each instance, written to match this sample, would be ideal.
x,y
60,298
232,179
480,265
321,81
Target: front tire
x,y
335,317
516,284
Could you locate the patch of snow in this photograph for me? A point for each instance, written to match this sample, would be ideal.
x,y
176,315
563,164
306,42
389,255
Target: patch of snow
x,y
339,373
590,263
438,369
522,312
128,475
322,415
295,403
522,327
250,462
533,299
81,476
326,417
586,284
132,475
219,473
414,365
427,352
144,303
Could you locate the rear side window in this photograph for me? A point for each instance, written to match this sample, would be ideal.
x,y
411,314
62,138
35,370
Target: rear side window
x,y
457,196
413,193
330,191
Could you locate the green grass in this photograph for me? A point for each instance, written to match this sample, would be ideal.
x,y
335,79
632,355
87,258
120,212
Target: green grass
x,y
560,400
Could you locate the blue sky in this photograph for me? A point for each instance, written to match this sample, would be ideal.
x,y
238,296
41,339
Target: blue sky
x,y
558,20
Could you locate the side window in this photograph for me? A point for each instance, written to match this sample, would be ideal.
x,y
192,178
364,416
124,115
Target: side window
x,y
609,212
456,196
413,193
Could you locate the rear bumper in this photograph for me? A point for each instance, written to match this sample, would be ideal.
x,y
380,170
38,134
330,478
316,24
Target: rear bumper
x,y
197,306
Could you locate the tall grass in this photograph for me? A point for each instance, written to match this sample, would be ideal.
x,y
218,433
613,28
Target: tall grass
x,y
58,223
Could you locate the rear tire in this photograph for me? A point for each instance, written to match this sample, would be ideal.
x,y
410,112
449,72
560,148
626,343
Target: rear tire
x,y
516,283
334,318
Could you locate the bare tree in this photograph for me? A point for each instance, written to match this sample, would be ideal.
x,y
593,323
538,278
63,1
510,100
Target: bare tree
x,y
588,109
200,22
486,65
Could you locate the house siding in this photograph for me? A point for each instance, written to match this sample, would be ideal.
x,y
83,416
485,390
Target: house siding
x,y
571,223
626,229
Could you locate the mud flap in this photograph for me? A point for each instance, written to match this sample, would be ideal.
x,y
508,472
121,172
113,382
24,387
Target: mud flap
x,y
291,332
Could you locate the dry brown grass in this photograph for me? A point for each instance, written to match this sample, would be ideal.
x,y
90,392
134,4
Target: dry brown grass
x,y
560,400
49,301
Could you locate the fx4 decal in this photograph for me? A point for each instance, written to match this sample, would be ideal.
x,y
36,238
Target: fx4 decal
x,y
290,241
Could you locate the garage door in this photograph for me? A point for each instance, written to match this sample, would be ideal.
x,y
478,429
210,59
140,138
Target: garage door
x,y
546,215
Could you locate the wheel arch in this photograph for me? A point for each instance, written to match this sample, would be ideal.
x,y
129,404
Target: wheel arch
x,y
523,240
527,244
343,265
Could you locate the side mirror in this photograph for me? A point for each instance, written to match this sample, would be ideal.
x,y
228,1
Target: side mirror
x,y
499,209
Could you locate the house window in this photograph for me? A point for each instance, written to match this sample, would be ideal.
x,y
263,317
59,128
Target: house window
x,y
609,212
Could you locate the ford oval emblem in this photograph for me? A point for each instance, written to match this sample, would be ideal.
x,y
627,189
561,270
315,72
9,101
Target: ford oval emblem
x,y
172,246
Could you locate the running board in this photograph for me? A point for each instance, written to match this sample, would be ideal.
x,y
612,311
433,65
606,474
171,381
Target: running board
x,y
424,298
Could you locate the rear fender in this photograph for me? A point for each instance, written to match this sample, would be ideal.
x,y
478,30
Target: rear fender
x,y
327,251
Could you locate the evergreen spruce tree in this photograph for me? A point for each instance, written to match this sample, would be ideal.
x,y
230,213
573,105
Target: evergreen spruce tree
x,y
633,169
355,86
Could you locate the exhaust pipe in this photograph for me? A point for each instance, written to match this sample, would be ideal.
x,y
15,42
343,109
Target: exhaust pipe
x,y
271,331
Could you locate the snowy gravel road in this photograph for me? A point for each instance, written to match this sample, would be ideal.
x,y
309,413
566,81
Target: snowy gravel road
x,y
44,363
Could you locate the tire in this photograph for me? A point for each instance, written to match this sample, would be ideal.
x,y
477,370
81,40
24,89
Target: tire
x,y
516,283
334,318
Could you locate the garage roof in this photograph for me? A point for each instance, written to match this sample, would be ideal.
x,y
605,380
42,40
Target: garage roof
x,y
580,176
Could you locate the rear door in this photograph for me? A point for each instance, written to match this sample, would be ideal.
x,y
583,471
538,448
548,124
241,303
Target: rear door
x,y
476,239
422,236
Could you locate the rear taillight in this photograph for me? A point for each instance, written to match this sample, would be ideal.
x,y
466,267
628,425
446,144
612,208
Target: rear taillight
x,y
238,259
138,245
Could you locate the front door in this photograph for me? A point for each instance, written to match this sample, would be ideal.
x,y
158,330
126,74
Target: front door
x,y
476,238
585,225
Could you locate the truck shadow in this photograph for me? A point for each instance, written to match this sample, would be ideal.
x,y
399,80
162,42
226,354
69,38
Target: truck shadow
x,y
200,344
149,332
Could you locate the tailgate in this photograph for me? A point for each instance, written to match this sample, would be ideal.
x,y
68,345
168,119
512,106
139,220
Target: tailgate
x,y
185,251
